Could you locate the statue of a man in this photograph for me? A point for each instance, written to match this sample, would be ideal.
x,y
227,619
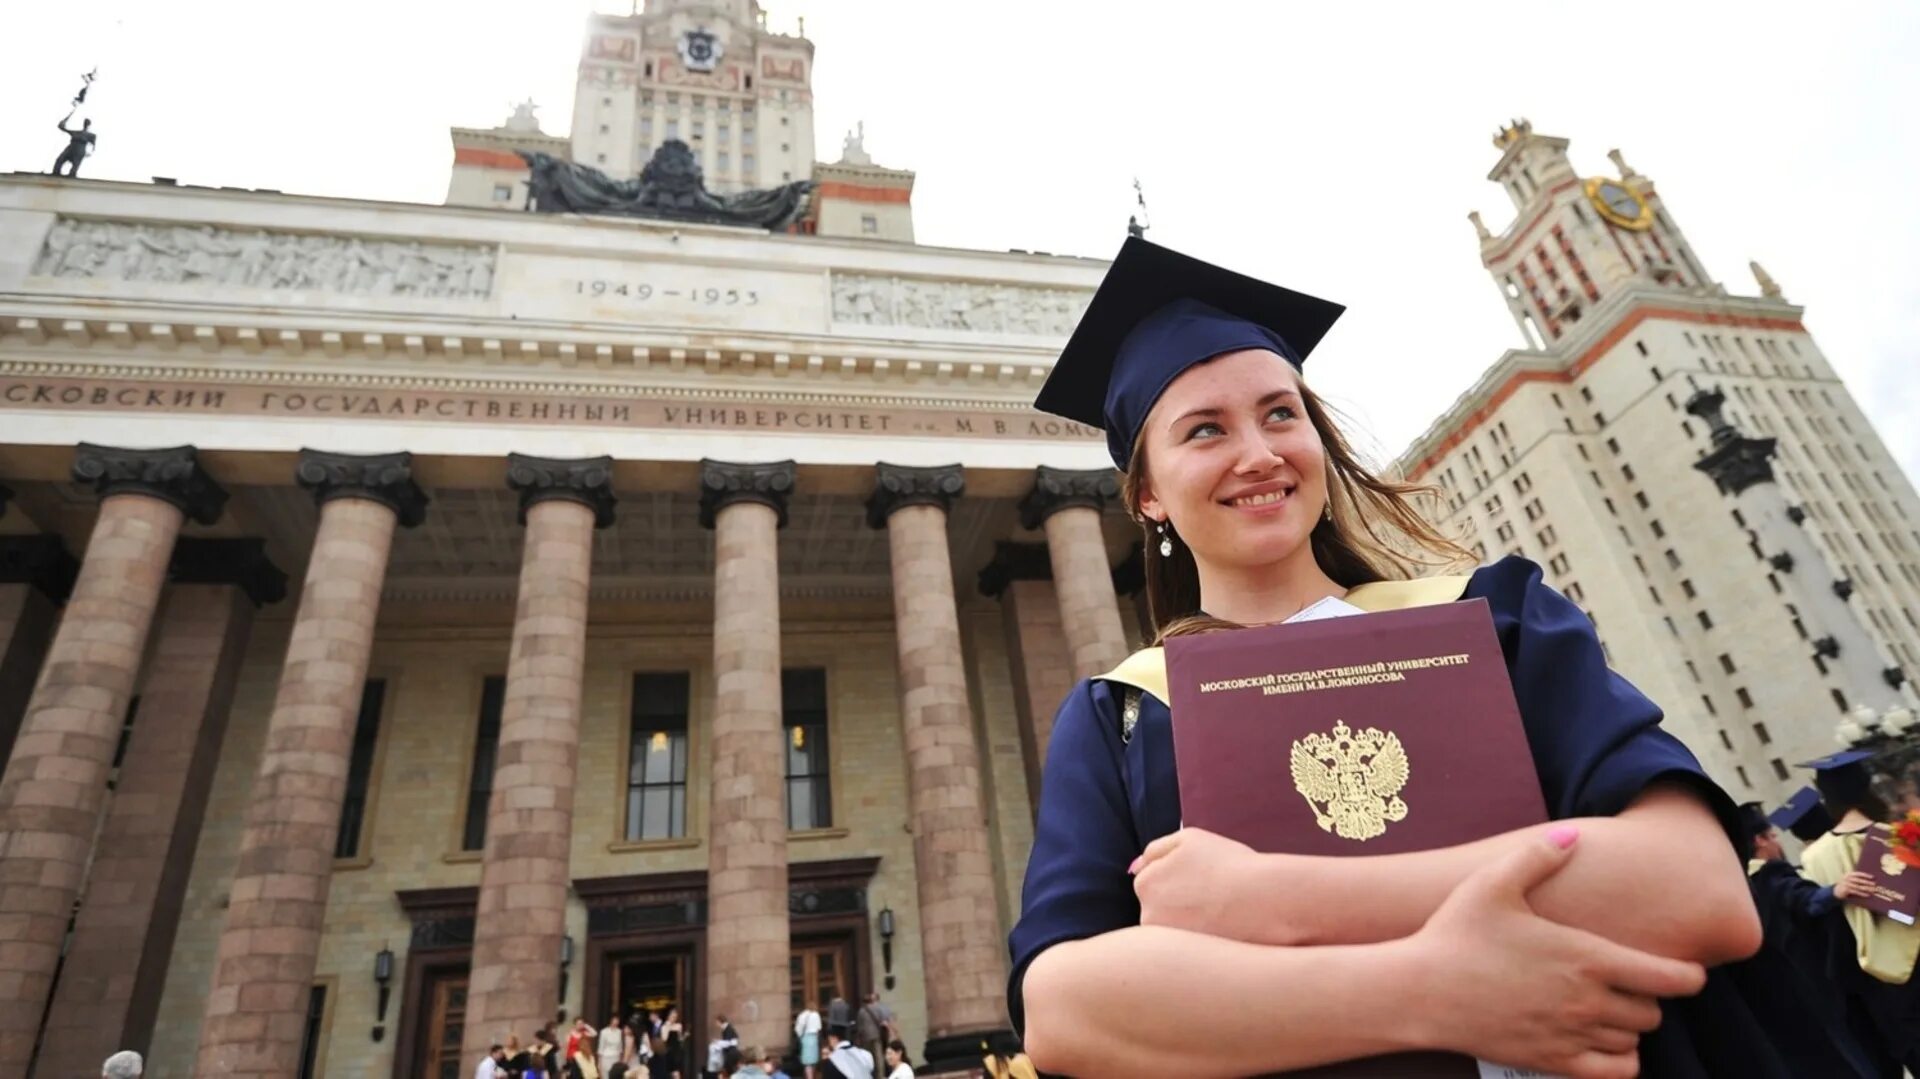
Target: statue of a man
x,y
79,145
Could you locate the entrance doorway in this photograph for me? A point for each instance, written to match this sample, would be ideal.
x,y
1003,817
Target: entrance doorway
x,y
820,969
645,983
446,1012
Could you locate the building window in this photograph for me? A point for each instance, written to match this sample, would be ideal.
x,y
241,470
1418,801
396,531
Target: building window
x,y
486,753
1673,560
1746,699
1640,499
1687,589
1780,769
1558,564
1613,445
366,735
1724,740
1708,701
673,128
869,224
1693,670
603,129
1726,663
1706,620
803,697
1626,473
746,162
1545,536
502,192
1658,532
1744,781
1839,699
722,161
310,1032
1574,592
657,756
1760,731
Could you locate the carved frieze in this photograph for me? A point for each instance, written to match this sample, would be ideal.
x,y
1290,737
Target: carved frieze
x,y
259,259
968,306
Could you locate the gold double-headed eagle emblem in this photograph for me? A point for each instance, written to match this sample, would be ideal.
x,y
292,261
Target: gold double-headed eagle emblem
x,y
1352,779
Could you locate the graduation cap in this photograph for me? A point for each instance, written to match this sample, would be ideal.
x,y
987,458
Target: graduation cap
x,y
1804,801
1837,760
1157,313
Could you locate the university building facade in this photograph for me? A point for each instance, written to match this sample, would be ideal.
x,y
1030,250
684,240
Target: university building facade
x,y
416,620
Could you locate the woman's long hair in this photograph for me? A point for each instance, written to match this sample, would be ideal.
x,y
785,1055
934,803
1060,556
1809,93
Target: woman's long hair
x,y
1375,532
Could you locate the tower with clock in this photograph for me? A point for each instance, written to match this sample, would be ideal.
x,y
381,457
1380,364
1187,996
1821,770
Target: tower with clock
x,y
710,73
1577,240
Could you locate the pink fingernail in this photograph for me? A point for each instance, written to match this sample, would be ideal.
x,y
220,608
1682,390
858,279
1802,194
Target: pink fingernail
x,y
1135,867
1563,836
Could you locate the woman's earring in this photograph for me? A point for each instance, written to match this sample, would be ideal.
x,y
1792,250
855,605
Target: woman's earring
x,y
1166,541
1326,512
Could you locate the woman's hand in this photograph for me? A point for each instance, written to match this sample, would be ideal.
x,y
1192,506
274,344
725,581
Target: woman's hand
x,y
1516,989
1204,882
1855,883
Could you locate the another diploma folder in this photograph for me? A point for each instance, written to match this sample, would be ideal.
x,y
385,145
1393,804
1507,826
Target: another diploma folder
x,y
1367,734
1896,884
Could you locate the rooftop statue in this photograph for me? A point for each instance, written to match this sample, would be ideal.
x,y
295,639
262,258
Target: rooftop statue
x,y
669,188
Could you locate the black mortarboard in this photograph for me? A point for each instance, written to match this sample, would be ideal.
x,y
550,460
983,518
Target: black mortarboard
x,y
1804,801
1157,313
1837,760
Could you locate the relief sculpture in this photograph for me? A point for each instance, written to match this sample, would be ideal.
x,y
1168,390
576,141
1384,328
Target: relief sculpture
x,y
257,259
867,300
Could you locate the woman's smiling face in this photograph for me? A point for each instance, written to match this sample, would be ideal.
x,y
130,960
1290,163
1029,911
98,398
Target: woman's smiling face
x,y
1234,465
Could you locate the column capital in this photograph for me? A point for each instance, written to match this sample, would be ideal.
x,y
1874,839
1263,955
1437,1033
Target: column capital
x,y
171,475
722,483
1055,489
1014,562
242,563
386,478
41,561
586,480
895,486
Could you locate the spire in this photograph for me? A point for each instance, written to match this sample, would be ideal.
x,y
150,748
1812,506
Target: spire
x,y
1479,226
1137,225
1620,162
1512,133
1768,286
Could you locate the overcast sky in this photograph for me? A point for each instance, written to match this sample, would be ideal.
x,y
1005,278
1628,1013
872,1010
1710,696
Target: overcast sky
x,y
1333,147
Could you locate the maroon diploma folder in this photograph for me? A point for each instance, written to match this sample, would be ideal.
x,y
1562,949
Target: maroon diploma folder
x,y
1896,885
1369,734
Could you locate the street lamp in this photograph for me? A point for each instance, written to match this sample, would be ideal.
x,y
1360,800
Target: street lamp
x,y
886,943
382,976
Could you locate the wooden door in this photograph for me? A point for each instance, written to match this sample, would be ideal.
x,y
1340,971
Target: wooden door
x,y
820,970
446,1026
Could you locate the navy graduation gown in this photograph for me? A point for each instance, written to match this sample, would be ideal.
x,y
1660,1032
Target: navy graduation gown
x,y
1596,742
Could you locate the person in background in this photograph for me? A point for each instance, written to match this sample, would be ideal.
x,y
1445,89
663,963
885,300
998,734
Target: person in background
x,y
806,1029
897,1066
671,1057
126,1064
770,1065
1882,948
613,1045
1806,1013
845,1060
750,1064
491,1065
726,1038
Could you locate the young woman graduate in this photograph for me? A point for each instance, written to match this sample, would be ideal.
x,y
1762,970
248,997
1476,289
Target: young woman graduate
x,y
1549,948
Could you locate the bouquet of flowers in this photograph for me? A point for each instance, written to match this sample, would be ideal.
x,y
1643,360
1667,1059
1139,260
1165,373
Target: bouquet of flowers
x,y
1904,837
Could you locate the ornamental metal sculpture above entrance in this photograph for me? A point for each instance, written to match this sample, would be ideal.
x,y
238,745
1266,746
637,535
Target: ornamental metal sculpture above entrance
x,y
670,188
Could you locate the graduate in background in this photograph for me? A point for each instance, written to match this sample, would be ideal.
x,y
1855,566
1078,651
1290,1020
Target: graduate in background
x,y
1881,948
1547,948
1810,1017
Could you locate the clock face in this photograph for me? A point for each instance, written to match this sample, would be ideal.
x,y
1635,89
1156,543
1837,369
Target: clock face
x,y
1619,204
699,50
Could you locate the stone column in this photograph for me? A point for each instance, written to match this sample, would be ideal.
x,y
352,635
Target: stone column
x,y
1021,578
964,956
36,576
110,984
1067,504
263,969
748,943
521,917
56,778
